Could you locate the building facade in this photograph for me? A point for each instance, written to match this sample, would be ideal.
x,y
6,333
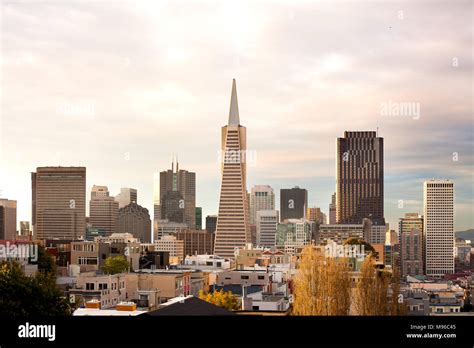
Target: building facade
x,y
196,242
59,202
359,177
262,197
7,219
293,203
103,210
135,219
267,223
233,227
438,227
126,196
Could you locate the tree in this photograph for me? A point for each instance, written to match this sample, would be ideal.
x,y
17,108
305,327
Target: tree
x,y
45,261
222,299
322,285
115,264
22,295
368,248
378,291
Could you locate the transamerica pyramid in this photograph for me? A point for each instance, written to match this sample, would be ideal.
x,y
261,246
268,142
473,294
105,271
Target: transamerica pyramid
x,y
233,230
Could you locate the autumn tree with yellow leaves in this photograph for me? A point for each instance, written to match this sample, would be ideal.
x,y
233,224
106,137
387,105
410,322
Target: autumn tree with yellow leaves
x,y
226,300
322,285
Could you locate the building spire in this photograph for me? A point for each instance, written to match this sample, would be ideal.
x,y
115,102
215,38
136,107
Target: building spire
x,y
234,107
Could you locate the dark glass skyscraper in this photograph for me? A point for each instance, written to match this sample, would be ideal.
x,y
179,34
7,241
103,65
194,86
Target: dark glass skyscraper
x,y
293,203
178,195
359,177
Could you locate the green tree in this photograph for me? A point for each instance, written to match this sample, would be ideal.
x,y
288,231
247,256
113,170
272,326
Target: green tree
x,y
23,295
45,262
115,264
222,299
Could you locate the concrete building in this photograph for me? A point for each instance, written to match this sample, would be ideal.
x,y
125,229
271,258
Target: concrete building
x,y
340,233
206,262
233,227
211,223
170,283
293,235
315,214
107,290
7,219
59,202
293,203
25,229
91,255
359,177
126,196
378,230
135,219
103,210
438,227
262,197
165,228
196,242
171,244
411,245
267,222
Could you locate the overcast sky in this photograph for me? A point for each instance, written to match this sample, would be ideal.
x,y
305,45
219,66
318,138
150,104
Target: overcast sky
x,y
119,87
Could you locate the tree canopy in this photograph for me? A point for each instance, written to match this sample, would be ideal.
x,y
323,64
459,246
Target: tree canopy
x,y
222,299
23,295
115,264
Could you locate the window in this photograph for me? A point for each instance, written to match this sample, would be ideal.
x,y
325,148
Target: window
x,y
261,277
90,286
244,277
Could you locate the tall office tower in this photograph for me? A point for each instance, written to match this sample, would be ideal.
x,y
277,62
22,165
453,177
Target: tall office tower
x,y
135,219
211,223
438,227
7,219
25,230
411,244
262,197
126,196
198,218
293,203
178,195
315,214
233,228
359,177
267,223
103,210
332,210
59,202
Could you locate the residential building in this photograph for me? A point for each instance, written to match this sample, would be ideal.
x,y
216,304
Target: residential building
x,y
315,214
171,244
294,234
332,210
340,233
59,202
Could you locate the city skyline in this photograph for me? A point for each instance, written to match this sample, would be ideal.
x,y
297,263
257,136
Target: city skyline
x,y
305,106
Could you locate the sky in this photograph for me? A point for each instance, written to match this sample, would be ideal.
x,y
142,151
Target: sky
x,y
120,87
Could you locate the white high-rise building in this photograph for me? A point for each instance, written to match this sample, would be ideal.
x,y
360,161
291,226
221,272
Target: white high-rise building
x,y
103,210
267,223
438,211
262,197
